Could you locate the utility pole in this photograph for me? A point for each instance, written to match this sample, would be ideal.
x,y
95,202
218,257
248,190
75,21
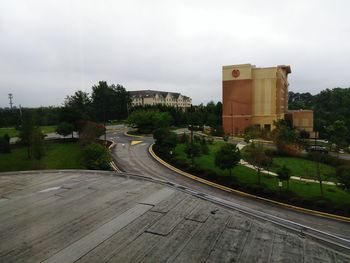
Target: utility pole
x,y
11,97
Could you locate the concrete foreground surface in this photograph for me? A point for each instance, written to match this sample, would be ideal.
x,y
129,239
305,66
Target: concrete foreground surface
x,y
86,216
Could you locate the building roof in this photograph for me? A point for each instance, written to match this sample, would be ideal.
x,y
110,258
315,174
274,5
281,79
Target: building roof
x,y
152,93
93,216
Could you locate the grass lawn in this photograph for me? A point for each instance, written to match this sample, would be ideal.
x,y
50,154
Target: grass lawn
x,y
304,168
57,156
12,132
244,175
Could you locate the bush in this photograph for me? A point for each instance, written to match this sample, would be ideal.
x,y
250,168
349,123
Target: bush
x,y
96,157
36,144
5,144
184,138
343,175
90,131
65,129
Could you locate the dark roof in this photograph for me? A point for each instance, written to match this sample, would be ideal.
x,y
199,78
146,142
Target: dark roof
x,y
152,93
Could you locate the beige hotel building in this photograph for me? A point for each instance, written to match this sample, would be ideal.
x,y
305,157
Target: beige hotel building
x,y
258,96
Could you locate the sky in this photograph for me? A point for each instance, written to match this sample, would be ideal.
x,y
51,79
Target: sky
x,y
50,49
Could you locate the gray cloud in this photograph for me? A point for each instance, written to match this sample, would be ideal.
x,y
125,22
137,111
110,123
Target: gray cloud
x,y
49,49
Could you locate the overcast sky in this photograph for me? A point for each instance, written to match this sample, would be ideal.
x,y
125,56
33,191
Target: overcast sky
x,y
50,49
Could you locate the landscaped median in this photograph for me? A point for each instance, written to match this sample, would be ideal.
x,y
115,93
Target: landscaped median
x,y
301,196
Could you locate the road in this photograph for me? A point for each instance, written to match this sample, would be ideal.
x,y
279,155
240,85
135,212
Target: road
x,y
136,159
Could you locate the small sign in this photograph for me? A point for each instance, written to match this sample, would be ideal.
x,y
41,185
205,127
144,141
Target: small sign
x,y
280,184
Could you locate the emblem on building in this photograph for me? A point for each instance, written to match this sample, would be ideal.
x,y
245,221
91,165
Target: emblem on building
x,y
235,73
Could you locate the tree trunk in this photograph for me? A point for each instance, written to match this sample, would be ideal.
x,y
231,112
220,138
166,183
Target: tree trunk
x,y
230,172
319,176
259,179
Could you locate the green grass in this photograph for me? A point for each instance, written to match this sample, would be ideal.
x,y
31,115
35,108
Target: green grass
x,y
57,156
247,176
12,132
304,168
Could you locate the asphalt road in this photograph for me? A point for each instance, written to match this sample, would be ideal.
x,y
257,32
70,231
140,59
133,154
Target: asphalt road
x,y
136,159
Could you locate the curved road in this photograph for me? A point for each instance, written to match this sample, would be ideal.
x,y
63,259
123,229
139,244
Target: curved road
x,y
136,159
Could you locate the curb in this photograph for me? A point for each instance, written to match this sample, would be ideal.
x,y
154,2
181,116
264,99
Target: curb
x,y
112,164
231,190
130,135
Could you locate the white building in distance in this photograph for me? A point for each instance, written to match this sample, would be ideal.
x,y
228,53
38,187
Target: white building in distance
x,y
153,97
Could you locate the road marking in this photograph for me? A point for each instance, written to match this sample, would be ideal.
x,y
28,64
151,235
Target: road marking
x,y
134,142
50,189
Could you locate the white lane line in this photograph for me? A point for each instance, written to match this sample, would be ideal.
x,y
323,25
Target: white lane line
x,y
50,189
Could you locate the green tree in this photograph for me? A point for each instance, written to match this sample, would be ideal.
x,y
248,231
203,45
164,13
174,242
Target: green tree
x,y
110,102
5,144
65,129
284,174
285,137
160,134
96,157
192,150
337,134
146,121
36,144
227,157
204,146
255,155
343,175
26,130
81,102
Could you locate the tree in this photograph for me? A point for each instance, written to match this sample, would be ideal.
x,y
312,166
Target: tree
x,y
80,102
343,175
110,102
26,130
283,174
285,137
227,157
65,129
5,144
146,121
337,134
36,144
90,132
204,146
96,157
255,155
160,134
192,150
72,116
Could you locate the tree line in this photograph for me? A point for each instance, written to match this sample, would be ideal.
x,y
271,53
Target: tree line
x,y
329,106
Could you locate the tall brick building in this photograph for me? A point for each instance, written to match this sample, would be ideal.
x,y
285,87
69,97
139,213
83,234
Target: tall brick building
x,y
258,96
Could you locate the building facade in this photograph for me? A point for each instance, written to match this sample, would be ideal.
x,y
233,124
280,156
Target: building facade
x,y
258,96
152,97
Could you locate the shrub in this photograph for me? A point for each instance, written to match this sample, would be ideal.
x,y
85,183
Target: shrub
x,y
343,175
96,157
36,142
65,129
5,144
184,138
90,131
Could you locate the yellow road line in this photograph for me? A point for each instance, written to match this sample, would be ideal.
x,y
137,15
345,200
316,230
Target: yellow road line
x,y
131,135
134,142
231,190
